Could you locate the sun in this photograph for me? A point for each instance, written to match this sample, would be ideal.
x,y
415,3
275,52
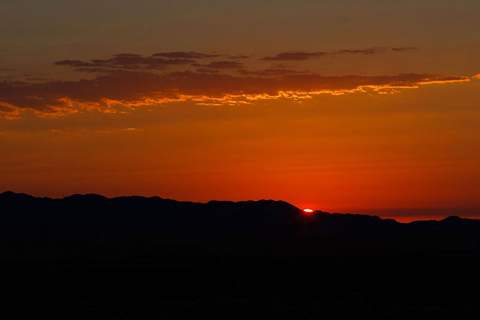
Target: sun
x,y
308,211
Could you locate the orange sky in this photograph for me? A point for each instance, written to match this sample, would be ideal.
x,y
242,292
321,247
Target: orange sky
x,y
387,125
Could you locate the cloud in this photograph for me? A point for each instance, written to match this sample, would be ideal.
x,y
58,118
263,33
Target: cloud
x,y
129,80
477,76
363,51
164,60
239,57
95,70
184,55
4,108
206,70
125,89
157,61
224,65
298,55
8,112
123,61
404,49
270,72
75,63
293,56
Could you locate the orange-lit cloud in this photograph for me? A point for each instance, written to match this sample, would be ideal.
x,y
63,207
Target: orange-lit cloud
x,y
132,80
144,88
9,112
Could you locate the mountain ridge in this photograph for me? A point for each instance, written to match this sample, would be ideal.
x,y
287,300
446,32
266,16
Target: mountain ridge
x,y
96,226
98,197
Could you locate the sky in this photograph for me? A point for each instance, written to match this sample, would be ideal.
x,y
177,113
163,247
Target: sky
x,y
362,106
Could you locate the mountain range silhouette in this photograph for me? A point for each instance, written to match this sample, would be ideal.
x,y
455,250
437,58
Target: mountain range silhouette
x,y
95,226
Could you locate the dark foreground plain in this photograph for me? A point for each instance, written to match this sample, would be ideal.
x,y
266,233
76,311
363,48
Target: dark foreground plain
x,y
89,257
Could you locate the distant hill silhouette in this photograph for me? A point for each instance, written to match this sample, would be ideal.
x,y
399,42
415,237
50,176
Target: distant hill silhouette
x,y
95,226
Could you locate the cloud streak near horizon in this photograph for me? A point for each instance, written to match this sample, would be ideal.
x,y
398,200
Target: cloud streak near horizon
x,y
298,55
130,80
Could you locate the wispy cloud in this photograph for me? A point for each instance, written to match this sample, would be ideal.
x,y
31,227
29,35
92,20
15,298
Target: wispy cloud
x,y
404,49
299,55
207,70
294,56
270,72
362,51
223,65
184,55
239,57
123,61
